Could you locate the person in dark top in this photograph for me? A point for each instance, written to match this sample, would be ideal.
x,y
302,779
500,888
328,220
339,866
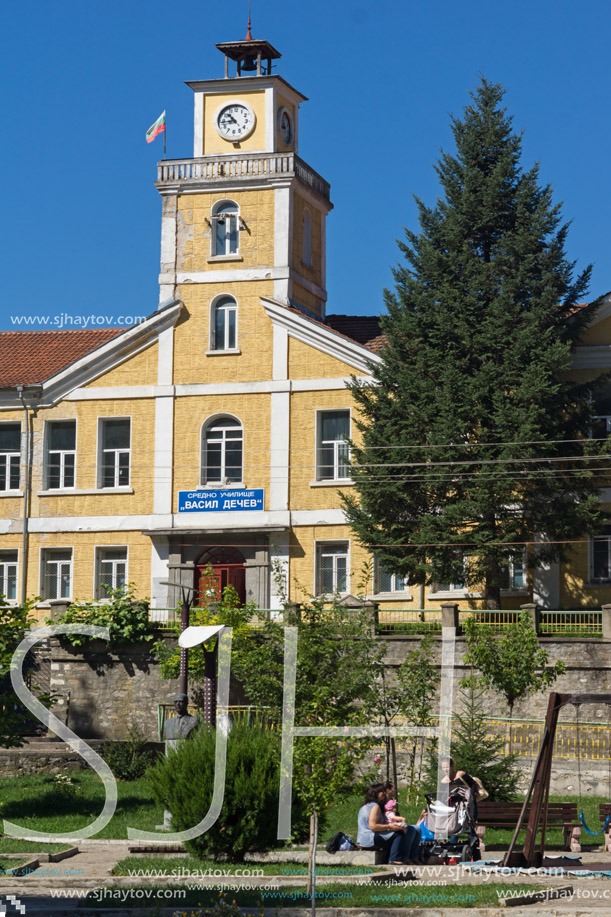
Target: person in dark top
x,y
452,776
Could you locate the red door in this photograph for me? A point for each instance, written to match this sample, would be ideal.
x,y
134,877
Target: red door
x,y
218,568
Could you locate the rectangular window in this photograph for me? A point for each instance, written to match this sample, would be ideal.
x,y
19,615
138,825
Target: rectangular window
x,y
10,456
115,437
57,573
601,409
459,584
333,454
111,570
61,454
513,574
224,324
8,575
389,582
332,568
225,230
600,557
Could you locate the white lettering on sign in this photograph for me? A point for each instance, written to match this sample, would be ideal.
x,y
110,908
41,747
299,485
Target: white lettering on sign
x,y
201,504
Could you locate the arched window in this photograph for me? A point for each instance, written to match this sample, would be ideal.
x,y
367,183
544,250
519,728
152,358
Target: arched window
x,y
222,442
225,228
306,253
223,324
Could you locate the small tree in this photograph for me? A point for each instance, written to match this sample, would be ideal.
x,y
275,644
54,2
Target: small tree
x,y
513,664
226,609
184,781
339,660
475,750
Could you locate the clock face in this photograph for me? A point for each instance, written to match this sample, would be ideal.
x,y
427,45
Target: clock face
x,y
235,121
285,125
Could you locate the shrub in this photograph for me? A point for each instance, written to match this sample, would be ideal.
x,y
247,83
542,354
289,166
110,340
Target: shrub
x,y
130,759
126,617
183,783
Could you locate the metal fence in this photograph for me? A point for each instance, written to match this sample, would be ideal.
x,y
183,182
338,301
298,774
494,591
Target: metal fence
x,y
420,621
414,621
523,738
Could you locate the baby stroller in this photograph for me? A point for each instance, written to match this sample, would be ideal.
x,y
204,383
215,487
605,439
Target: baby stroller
x,y
456,820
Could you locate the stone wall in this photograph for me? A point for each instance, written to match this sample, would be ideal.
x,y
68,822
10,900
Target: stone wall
x,y
40,756
588,669
111,691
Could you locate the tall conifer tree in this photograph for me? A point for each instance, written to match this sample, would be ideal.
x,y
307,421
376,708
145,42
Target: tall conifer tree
x,y
469,433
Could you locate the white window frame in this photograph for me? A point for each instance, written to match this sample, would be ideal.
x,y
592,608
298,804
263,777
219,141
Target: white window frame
x,y
599,581
605,417
206,426
4,565
318,549
102,452
8,459
228,307
62,453
512,588
216,214
336,447
378,570
99,592
306,238
44,561
451,590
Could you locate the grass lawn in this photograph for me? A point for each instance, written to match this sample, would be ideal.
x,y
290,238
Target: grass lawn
x,y
6,864
326,896
35,802
14,845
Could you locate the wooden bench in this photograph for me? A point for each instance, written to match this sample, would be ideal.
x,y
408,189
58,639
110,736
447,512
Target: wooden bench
x,y
506,814
604,809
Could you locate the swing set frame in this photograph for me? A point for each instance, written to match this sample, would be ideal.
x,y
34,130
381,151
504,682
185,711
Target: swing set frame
x,y
538,791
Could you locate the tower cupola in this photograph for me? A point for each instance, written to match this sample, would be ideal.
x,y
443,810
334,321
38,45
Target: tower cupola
x,y
253,57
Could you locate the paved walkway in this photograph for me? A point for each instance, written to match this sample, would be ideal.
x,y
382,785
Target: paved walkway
x,y
58,889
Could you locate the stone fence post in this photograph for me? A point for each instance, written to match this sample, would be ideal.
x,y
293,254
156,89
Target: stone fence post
x,y
449,615
606,622
58,607
535,615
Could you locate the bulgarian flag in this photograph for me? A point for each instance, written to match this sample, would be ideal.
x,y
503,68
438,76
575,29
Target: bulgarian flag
x,y
157,128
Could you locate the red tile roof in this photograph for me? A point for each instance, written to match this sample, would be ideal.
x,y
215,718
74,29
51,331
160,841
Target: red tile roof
x,y
28,357
364,329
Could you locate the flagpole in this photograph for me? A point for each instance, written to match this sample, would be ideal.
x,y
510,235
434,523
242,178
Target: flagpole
x,y
164,135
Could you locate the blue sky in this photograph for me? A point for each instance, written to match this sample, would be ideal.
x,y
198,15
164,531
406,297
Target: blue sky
x,y
82,82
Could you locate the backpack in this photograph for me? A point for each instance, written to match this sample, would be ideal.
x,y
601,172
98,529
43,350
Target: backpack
x,y
340,841
347,843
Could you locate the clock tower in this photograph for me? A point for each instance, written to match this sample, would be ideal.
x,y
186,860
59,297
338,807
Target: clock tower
x,y
244,217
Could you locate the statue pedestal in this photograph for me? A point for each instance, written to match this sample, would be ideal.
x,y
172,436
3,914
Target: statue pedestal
x,y
167,822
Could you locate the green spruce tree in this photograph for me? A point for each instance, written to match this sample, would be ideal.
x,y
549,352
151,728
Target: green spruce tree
x,y
468,434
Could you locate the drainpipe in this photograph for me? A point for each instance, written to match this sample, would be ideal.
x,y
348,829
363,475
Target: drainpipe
x,y
26,490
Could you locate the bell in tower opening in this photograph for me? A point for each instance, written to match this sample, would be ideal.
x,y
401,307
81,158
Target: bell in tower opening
x,y
252,56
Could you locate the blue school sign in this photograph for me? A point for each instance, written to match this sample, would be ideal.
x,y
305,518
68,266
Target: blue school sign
x,y
219,501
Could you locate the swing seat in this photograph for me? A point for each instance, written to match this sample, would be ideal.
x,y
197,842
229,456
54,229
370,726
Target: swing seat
x,y
594,833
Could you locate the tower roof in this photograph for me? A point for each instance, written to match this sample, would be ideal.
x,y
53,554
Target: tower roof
x,y
238,50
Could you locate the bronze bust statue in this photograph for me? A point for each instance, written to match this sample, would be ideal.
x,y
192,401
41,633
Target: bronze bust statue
x,y
182,725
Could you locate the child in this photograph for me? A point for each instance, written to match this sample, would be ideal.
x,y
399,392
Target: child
x,y
394,820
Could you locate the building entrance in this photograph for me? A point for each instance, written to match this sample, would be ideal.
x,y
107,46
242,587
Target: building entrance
x,y
217,568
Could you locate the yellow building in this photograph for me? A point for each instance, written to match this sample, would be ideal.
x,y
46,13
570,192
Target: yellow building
x,y
213,433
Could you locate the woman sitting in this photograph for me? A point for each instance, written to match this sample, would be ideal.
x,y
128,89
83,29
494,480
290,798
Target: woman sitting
x,y
374,831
